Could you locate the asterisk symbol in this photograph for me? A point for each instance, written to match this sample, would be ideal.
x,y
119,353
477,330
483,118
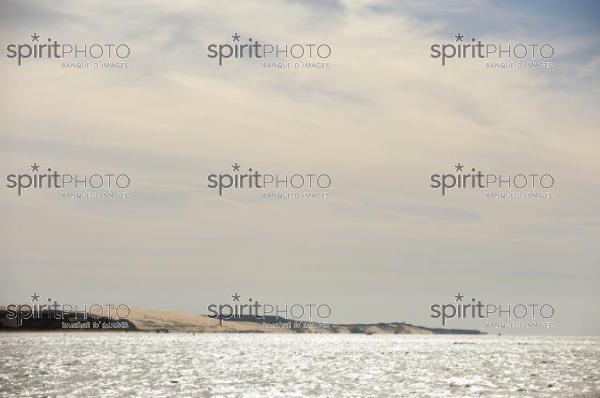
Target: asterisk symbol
x,y
35,297
236,37
236,167
236,297
35,37
459,37
459,167
459,297
35,167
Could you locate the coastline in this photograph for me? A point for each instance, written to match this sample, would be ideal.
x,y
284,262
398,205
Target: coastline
x,y
157,321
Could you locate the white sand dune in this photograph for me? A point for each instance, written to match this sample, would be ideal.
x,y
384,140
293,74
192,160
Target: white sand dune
x,y
177,321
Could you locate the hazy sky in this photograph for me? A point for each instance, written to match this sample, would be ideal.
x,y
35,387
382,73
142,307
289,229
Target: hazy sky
x,y
384,117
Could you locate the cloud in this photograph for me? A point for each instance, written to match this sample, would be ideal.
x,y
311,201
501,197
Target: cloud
x,y
380,121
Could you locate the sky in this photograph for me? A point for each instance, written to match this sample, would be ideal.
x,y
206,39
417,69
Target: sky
x,y
384,117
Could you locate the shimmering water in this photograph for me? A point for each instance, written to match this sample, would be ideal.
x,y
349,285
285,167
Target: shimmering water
x,y
258,365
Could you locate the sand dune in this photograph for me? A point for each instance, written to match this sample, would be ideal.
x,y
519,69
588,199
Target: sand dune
x,y
175,321
141,319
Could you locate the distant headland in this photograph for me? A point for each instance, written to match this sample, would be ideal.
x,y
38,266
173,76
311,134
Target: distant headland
x,y
145,320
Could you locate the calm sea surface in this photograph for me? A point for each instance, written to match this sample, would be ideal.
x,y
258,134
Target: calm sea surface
x,y
258,365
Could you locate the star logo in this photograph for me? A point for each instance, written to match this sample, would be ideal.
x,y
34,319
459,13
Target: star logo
x,y
236,37
236,167
459,37
35,297
459,297
459,167
35,167
236,297
35,37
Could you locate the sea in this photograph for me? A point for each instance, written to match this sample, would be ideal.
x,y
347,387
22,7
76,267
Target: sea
x,y
110,364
